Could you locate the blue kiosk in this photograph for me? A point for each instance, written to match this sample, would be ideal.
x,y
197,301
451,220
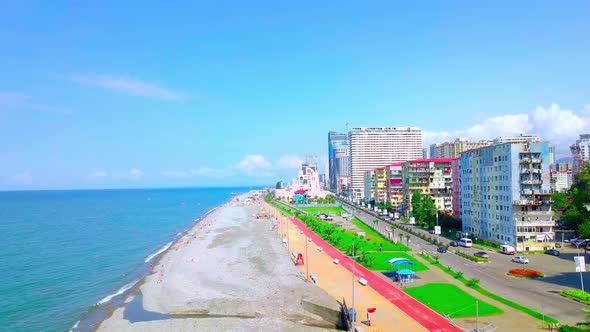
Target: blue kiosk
x,y
403,272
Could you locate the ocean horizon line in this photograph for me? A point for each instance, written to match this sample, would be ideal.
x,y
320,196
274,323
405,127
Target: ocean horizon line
x,y
249,187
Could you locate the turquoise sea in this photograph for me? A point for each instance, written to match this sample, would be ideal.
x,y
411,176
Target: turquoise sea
x,y
64,252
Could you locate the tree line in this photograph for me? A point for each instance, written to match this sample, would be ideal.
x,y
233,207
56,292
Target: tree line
x,y
574,203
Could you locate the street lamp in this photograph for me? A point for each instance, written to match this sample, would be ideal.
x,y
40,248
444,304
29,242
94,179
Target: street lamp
x,y
352,285
437,227
306,259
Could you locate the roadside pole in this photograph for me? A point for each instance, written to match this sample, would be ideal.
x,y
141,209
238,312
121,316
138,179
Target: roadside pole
x,y
353,272
306,259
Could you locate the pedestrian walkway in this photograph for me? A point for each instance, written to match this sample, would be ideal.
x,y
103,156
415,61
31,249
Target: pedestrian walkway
x,y
423,315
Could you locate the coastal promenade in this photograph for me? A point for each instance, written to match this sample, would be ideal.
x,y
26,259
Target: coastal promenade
x,y
337,281
423,315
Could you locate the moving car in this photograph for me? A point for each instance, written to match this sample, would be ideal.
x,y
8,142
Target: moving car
x,y
441,249
507,250
481,254
552,252
520,259
465,242
454,244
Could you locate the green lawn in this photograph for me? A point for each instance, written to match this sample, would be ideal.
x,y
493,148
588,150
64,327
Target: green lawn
x,y
334,210
448,299
380,261
376,239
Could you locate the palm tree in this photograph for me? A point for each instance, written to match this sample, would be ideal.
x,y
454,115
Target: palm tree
x,y
408,240
401,236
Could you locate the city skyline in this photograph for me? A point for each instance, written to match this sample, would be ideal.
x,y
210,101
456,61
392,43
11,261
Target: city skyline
x,y
198,95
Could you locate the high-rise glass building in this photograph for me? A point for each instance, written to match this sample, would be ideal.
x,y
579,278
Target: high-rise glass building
x,y
375,147
338,155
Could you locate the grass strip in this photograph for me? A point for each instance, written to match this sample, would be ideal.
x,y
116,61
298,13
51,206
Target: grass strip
x,y
576,295
482,291
333,210
436,296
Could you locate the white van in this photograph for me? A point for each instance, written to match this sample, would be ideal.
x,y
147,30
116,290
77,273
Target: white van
x,y
465,242
507,250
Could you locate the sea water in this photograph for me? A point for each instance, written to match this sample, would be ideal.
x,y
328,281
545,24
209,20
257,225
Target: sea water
x,y
66,254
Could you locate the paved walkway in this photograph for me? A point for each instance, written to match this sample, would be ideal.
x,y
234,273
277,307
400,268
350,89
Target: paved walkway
x,y
337,281
429,319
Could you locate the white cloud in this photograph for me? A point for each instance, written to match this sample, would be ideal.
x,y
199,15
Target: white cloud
x,y
175,174
130,86
23,178
8,98
135,173
559,126
289,161
202,171
15,100
254,165
98,174
212,172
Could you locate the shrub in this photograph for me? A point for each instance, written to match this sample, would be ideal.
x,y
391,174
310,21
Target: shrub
x,y
577,295
458,275
472,282
471,257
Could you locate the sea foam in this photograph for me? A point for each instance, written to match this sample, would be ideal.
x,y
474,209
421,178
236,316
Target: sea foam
x,y
118,292
164,248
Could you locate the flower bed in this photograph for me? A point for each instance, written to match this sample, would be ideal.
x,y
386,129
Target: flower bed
x,y
525,273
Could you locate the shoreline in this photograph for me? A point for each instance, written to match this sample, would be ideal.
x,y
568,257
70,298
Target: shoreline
x,y
227,273
102,310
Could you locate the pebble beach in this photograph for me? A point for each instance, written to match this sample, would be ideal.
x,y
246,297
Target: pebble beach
x,y
229,272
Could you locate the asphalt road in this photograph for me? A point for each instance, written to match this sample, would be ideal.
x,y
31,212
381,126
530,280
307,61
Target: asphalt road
x,y
541,294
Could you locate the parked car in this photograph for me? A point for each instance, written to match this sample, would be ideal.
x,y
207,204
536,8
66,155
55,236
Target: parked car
x,y
481,254
431,231
552,252
520,259
441,249
454,244
579,242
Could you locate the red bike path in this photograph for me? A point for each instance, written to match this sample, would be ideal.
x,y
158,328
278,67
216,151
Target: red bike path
x,y
425,316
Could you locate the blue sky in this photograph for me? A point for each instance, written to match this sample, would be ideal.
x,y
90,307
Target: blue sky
x,y
146,94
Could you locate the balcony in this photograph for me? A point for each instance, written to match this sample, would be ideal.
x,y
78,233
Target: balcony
x,y
533,223
529,161
522,202
531,181
531,170
533,213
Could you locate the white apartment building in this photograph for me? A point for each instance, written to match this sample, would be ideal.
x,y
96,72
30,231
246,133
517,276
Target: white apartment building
x,y
505,195
562,181
453,149
580,152
517,139
373,147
